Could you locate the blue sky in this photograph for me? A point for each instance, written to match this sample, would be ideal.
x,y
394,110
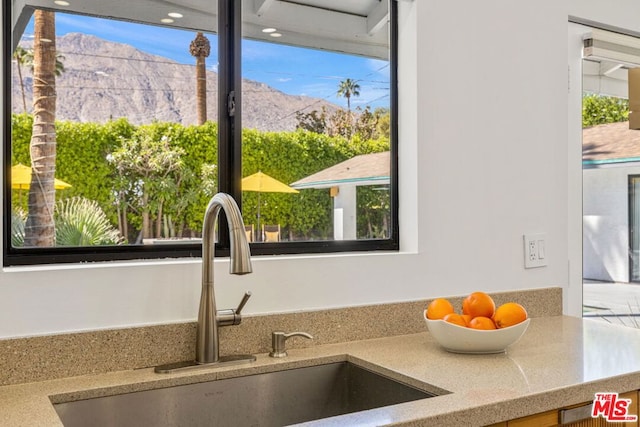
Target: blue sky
x,y
292,70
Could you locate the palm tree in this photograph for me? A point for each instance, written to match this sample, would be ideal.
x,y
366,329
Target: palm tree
x,y
347,89
28,61
82,222
21,57
59,64
24,58
40,226
200,48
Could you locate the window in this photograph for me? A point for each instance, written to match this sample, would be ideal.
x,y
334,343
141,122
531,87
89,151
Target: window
x,y
634,226
158,111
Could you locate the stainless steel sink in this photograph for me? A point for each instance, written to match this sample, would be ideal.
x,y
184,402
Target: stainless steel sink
x,y
270,399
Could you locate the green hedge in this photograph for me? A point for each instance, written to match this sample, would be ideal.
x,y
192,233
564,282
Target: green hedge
x,y
83,148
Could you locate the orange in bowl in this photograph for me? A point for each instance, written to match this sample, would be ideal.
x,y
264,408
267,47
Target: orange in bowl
x,y
482,323
438,308
478,304
509,314
456,319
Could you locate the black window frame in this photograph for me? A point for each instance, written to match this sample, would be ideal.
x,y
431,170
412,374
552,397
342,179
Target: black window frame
x,y
632,232
229,161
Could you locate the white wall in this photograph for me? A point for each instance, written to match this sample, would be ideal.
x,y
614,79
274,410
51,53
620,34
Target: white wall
x,y
483,159
492,141
606,223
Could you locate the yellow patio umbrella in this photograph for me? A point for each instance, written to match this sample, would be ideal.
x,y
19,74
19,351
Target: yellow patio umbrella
x,y
21,178
263,183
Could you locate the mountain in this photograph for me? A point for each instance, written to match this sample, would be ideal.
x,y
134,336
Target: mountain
x,y
104,80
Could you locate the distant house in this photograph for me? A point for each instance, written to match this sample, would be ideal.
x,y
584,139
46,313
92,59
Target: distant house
x,y
611,202
342,180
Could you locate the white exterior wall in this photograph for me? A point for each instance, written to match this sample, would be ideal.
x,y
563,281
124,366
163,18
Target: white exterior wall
x,y
606,223
483,160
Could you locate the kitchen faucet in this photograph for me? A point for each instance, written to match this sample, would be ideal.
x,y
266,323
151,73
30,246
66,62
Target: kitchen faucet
x,y
209,319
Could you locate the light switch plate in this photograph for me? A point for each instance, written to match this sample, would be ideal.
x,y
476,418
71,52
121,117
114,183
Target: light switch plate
x,y
535,250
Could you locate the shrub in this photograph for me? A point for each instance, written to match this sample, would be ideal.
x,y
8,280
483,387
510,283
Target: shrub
x,y
83,150
18,221
81,222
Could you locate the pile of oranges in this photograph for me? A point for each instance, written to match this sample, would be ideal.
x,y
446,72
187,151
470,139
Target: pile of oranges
x,y
478,312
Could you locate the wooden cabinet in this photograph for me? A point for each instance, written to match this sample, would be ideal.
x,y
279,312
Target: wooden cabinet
x,y
582,411
545,419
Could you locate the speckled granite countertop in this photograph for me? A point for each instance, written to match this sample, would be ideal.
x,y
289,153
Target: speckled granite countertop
x,y
559,361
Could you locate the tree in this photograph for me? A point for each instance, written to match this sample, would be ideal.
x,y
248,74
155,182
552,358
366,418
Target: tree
x,y
201,48
374,124
383,126
363,123
340,123
313,122
599,109
22,56
347,89
28,61
40,225
149,173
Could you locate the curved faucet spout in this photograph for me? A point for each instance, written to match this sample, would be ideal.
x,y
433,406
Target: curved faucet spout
x,y
240,255
207,344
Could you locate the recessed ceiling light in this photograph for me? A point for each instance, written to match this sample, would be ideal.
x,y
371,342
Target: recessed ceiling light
x,y
166,20
269,30
275,35
175,14
62,3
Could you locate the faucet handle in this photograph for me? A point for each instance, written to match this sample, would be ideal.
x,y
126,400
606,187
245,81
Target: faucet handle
x,y
278,339
231,317
243,302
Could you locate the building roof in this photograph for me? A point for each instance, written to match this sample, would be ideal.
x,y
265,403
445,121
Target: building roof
x,y
610,143
365,169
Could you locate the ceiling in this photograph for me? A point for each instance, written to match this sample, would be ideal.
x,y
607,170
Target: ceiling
x,y
353,26
605,77
607,58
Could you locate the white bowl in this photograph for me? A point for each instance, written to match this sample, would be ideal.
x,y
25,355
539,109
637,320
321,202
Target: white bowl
x,y
458,339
